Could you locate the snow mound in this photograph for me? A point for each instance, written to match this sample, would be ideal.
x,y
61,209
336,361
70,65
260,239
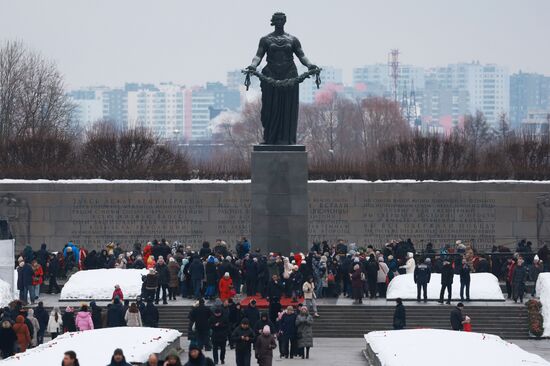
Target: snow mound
x,y
483,286
95,347
6,294
99,284
543,290
400,347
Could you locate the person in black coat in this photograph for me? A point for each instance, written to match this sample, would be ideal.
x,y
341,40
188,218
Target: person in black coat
x,y
24,281
150,315
457,319
43,317
422,276
196,357
260,324
53,272
118,359
42,255
399,315
199,316
68,320
251,271
163,277
519,276
7,339
196,272
275,288
115,314
447,276
252,313
97,319
219,325
243,337
372,275
288,334
205,251
465,280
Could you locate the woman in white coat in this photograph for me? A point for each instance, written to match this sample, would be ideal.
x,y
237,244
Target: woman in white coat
x,y
410,264
133,316
55,324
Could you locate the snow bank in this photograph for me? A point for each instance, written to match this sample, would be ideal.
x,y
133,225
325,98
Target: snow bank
x,y
543,291
6,294
95,347
99,284
401,347
483,286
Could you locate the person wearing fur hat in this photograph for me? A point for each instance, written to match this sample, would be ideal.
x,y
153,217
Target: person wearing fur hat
x,y
196,358
264,346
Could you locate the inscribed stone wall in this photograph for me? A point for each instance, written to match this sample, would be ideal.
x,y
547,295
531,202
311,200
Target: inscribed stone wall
x,y
93,214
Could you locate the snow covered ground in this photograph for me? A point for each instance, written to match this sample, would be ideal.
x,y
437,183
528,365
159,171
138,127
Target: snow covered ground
x,y
543,291
6,294
99,284
483,286
451,348
95,347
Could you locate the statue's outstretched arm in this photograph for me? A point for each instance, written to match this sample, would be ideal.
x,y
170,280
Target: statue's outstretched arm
x,y
259,56
301,55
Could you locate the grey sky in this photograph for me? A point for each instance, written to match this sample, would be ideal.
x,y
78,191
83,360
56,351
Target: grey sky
x,y
112,41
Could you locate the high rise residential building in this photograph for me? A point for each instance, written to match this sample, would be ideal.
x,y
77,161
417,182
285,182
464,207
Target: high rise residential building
x,y
488,86
528,92
89,105
160,110
442,107
329,76
377,81
204,104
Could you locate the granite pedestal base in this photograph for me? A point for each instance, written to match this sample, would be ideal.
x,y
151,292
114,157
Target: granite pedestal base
x,y
279,214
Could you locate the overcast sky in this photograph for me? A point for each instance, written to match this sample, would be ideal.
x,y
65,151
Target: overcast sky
x,y
108,42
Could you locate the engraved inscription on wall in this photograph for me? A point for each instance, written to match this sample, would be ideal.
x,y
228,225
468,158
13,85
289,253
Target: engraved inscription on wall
x,y
183,217
378,220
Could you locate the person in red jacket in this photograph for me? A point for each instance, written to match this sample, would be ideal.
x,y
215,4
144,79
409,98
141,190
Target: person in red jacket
x,y
226,287
147,251
37,278
118,293
22,332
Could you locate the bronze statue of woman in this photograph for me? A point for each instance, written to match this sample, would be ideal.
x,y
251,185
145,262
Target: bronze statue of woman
x,y
280,100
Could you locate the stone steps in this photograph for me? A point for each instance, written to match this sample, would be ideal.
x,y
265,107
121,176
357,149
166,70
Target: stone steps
x,y
509,322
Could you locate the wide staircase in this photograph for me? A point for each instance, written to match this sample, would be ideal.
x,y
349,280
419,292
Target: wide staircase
x,y
509,322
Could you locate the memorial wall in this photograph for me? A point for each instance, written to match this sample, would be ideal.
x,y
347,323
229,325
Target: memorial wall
x,y
94,213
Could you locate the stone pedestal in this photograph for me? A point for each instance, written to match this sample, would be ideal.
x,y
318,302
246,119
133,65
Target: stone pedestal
x,y
279,221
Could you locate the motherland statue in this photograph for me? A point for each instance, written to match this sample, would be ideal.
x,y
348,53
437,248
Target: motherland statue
x,y
279,82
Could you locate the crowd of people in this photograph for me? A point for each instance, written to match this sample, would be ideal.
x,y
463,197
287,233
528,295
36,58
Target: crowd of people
x,y
223,275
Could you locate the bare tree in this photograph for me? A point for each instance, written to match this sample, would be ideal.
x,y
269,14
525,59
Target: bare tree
x,y
32,96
